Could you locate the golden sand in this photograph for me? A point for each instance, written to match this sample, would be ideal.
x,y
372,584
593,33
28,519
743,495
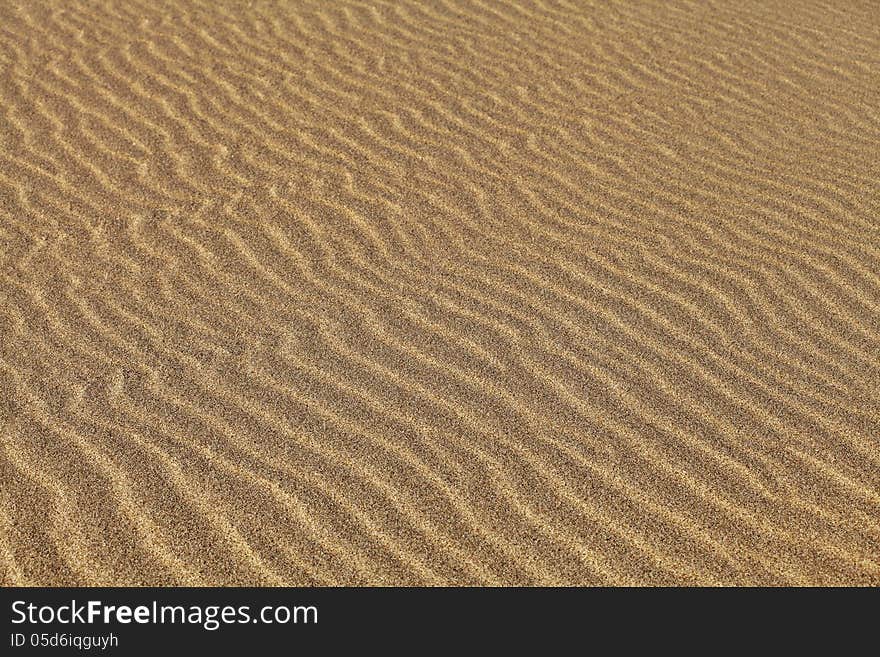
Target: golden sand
x,y
454,292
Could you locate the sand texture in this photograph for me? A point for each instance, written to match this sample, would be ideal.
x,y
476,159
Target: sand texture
x,y
542,292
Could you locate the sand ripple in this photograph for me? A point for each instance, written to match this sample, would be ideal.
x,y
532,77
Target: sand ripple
x,y
455,292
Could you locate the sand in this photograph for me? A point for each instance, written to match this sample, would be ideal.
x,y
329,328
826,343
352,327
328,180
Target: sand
x,y
543,292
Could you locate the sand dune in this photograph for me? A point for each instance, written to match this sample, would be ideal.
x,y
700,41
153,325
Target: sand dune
x,y
453,292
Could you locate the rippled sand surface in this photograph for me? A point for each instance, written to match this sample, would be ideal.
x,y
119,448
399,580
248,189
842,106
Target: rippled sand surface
x,y
451,292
